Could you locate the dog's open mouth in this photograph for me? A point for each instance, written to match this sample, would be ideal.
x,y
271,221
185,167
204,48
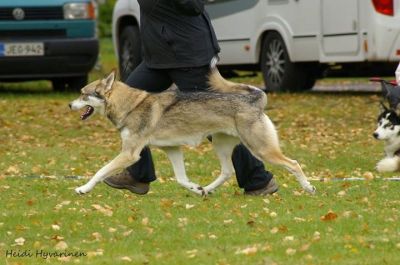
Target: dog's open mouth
x,y
89,111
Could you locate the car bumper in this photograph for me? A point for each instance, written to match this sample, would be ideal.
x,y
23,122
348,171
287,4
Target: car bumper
x,y
62,58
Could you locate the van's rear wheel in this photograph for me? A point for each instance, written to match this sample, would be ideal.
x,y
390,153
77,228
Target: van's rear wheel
x,y
280,74
129,50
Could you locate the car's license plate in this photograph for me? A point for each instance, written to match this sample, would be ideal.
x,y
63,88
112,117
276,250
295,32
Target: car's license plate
x,y
22,49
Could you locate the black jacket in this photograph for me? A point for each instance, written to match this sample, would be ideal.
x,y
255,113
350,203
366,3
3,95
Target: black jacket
x,y
176,33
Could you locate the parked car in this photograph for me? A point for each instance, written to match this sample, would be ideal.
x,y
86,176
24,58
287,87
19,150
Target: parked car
x,y
291,41
48,39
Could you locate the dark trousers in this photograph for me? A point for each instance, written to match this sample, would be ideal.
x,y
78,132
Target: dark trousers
x,y
250,172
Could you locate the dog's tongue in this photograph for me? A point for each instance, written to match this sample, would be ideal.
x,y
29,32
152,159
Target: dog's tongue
x,y
89,110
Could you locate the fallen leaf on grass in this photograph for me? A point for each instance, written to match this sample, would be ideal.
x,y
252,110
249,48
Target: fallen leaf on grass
x,y
304,247
182,222
166,203
112,230
145,221
330,216
288,238
126,258
267,201
368,175
189,206
251,223
274,230
96,236
247,251
57,238
61,245
60,205
13,170
192,253
316,236
98,252
107,211
347,214
212,236
299,219
290,251
283,228
20,241
127,233
273,214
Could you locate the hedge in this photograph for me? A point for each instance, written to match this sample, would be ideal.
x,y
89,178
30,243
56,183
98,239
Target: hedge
x,y
105,18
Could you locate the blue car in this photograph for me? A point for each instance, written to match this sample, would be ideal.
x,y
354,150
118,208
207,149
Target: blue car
x,y
48,39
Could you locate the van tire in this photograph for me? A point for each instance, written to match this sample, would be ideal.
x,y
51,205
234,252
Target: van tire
x,y
280,74
69,83
129,51
309,82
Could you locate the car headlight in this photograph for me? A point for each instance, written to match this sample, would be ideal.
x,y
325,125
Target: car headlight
x,y
80,10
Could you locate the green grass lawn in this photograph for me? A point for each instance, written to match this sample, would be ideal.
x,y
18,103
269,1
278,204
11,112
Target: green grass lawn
x,y
329,134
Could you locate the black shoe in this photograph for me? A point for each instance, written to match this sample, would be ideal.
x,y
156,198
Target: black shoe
x,y
270,188
124,180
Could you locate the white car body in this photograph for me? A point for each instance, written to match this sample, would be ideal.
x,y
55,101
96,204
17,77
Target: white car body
x,y
323,31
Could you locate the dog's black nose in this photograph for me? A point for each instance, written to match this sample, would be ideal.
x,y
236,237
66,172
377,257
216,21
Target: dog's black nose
x,y
70,106
375,135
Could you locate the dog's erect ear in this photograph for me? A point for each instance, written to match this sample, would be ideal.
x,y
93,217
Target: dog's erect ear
x,y
385,89
108,81
383,107
394,97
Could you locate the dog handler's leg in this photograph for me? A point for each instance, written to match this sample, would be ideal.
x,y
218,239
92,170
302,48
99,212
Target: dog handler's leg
x,y
119,163
223,146
176,157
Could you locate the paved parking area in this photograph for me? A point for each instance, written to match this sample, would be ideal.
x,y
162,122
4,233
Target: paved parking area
x,y
350,87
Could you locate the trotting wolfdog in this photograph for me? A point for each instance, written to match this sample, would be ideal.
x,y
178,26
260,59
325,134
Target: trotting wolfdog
x,y
230,112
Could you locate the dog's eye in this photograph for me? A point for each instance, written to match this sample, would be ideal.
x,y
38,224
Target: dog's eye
x,y
387,125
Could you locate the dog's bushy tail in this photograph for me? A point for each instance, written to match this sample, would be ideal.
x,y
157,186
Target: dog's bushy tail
x,y
219,84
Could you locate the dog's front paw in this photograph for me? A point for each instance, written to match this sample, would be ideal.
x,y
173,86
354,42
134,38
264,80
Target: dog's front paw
x,y
201,191
310,189
388,164
83,189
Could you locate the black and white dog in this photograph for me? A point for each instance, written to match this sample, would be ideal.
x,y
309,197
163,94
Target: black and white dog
x,y
388,130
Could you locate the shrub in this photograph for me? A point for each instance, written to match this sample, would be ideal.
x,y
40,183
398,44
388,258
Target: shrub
x,y
105,17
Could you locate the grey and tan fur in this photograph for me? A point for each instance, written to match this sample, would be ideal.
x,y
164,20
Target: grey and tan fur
x,y
230,112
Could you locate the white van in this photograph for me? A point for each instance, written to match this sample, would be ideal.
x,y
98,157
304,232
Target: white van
x,y
291,41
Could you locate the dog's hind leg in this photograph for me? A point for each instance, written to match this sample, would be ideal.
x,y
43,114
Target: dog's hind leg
x,y
276,157
263,142
223,146
176,157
